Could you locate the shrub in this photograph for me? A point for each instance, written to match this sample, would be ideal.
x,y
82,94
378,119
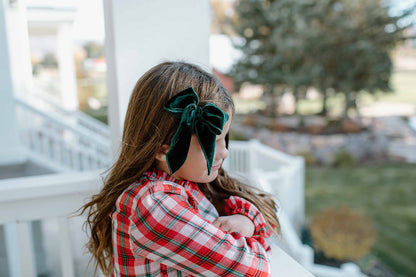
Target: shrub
x,y
342,234
234,135
343,158
308,157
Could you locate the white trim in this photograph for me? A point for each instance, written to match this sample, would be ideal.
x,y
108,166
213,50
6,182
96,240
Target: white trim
x,y
12,157
112,83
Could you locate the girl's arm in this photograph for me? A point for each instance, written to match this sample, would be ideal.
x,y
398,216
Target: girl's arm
x,y
235,223
168,229
239,206
243,217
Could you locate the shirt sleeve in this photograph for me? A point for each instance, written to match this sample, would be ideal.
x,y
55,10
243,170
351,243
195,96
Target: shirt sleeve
x,y
168,229
238,205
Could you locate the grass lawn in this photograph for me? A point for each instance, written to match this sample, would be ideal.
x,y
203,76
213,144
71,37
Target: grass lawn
x,y
403,84
386,193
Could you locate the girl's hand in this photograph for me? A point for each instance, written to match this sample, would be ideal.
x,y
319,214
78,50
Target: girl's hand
x,y
235,223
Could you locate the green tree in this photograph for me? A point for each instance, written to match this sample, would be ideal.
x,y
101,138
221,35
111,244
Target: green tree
x,y
49,60
94,49
354,40
338,45
273,47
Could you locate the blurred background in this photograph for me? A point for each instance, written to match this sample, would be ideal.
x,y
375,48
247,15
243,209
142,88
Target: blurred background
x,y
333,81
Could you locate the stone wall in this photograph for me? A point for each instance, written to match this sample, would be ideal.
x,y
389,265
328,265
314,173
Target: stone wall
x,y
377,142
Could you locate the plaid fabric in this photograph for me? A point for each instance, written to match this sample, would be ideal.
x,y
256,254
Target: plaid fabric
x,y
162,227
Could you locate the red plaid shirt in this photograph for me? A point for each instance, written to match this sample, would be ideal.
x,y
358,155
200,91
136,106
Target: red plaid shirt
x,y
162,227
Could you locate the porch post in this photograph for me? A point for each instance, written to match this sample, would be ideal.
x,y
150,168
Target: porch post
x,y
19,49
141,34
66,64
9,145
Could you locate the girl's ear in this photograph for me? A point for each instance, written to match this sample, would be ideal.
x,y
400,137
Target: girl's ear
x,y
161,154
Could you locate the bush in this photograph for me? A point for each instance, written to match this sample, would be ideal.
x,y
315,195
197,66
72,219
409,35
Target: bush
x,y
233,135
343,158
342,234
100,114
308,157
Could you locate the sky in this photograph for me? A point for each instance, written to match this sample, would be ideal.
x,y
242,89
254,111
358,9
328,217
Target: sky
x,y
399,5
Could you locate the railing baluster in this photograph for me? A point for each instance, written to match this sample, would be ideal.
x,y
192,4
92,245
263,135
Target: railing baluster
x,y
67,260
75,159
27,255
21,258
84,160
43,143
13,256
57,149
36,143
50,136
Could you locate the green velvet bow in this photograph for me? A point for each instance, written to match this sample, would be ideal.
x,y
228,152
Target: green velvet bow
x,y
206,121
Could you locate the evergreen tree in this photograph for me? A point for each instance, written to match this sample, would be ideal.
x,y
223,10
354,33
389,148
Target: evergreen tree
x,y
340,45
273,48
94,49
353,50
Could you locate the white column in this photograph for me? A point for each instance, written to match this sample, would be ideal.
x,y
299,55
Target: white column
x,y
141,34
66,64
9,146
19,48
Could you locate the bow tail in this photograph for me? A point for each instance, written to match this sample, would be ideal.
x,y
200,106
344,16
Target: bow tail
x,y
179,148
207,140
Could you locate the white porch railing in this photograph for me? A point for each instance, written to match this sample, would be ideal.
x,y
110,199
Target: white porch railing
x,y
63,145
54,197
276,172
43,102
282,175
24,200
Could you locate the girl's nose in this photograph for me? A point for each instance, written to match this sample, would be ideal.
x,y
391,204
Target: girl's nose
x,y
222,152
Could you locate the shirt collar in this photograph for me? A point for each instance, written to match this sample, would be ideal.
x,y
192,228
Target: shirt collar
x,y
157,174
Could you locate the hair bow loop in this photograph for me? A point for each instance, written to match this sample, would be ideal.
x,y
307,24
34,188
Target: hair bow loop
x,y
207,122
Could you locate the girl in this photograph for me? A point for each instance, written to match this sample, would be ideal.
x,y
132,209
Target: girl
x,y
167,207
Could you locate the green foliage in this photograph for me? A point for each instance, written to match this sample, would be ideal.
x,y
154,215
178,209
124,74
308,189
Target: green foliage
x,y
233,135
100,114
94,49
338,45
272,56
49,60
344,159
386,193
308,157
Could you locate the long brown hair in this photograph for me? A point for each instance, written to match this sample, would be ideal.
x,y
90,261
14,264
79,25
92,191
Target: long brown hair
x,y
146,128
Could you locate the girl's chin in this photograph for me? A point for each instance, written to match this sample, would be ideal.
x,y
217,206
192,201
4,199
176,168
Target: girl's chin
x,y
213,175
206,178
